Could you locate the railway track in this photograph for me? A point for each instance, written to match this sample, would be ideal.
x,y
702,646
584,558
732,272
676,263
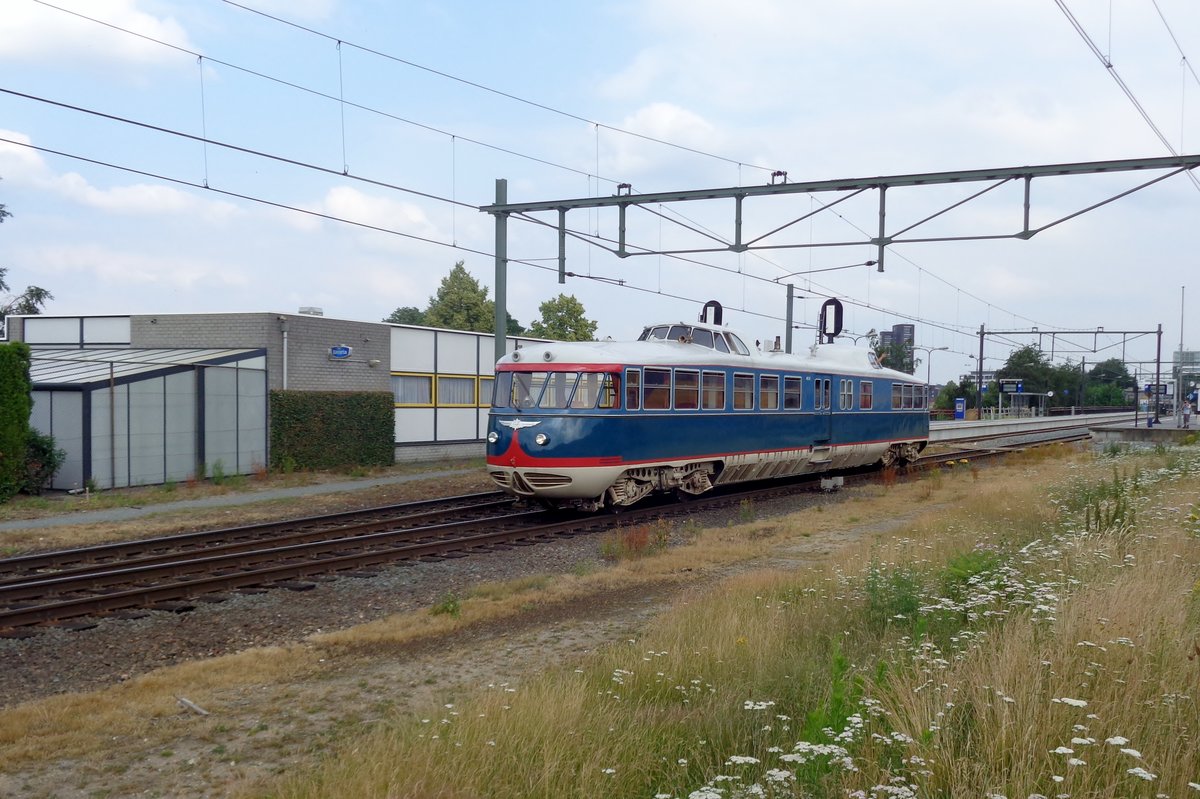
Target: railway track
x,y
171,572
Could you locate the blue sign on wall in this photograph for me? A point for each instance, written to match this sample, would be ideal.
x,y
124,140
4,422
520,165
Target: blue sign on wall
x,y
340,352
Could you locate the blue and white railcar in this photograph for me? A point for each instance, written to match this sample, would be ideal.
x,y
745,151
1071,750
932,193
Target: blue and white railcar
x,y
687,407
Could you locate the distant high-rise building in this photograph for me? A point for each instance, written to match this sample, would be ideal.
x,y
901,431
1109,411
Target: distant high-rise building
x,y
904,333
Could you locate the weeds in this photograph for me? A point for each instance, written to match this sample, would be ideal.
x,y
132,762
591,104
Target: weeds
x,y
639,541
450,605
747,512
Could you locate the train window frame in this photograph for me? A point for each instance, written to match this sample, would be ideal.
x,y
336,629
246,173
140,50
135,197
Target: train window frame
x,y
685,397
793,390
719,343
921,397
707,390
866,395
648,387
702,337
451,384
501,387
765,394
590,391
846,394
633,389
532,383
823,394
398,379
897,397
743,391
908,396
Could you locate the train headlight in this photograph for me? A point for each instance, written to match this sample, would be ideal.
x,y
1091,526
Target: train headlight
x,y
493,437
541,439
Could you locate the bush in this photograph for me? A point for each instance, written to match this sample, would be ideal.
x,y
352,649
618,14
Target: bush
x,y
15,405
330,430
42,461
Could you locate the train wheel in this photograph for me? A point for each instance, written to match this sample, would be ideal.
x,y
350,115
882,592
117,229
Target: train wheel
x,y
889,457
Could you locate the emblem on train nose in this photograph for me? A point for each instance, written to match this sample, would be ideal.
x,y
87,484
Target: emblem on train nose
x,y
518,424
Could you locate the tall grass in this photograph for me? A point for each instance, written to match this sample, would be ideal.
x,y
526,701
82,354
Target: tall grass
x,y
1026,643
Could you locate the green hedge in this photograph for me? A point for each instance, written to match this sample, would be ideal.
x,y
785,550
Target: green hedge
x,y
330,430
15,404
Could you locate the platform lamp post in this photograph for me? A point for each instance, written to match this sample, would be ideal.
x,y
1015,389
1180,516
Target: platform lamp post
x,y
928,368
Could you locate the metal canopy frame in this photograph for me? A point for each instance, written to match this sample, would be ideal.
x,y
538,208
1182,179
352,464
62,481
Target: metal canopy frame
x,y
624,199
1096,333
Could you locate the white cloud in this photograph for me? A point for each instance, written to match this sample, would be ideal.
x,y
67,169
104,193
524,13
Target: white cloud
x,y
125,269
34,33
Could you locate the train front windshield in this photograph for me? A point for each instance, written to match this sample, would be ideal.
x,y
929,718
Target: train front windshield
x,y
556,390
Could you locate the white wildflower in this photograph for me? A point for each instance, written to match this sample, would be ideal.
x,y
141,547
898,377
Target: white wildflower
x,y
1074,761
1117,740
1138,771
1072,702
1062,750
1132,753
741,760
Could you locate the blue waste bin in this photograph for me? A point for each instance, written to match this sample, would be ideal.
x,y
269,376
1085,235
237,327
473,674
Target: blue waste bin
x,y
960,407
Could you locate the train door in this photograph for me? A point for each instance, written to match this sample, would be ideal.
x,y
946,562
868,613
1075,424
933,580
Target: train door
x,y
823,409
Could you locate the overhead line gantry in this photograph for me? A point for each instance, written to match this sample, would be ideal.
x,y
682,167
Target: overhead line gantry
x,y
502,209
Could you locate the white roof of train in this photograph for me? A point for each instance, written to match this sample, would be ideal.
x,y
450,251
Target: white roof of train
x,y
830,358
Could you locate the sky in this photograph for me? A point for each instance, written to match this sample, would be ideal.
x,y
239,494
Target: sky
x,y
164,156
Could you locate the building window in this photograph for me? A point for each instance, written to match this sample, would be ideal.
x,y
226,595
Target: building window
x,y
486,386
865,395
413,390
743,392
768,392
456,392
714,391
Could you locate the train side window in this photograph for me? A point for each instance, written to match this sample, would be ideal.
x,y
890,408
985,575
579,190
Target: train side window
x,y
557,393
908,396
719,343
866,395
656,391
702,337
743,392
921,396
845,394
768,392
736,344
897,397
687,389
828,392
713,398
633,389
792,393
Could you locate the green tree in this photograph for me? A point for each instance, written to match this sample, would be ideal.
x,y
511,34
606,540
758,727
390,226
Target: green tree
x,y
408,315
29,301
15,404
563,318
460,303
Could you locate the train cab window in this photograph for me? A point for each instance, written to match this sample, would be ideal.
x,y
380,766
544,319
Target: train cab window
x,y
743,392
502,390
656,391
768,392
702,337
595,390
866,395
719,343
792,393
713,396
736,344
633,389
658,332
687,389
526,389
845,394
679,333
559,386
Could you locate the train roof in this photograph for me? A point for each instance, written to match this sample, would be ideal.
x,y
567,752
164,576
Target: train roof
x,y
698,348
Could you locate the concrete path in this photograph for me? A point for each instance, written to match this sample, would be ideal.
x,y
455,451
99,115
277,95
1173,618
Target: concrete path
x,y
219,501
